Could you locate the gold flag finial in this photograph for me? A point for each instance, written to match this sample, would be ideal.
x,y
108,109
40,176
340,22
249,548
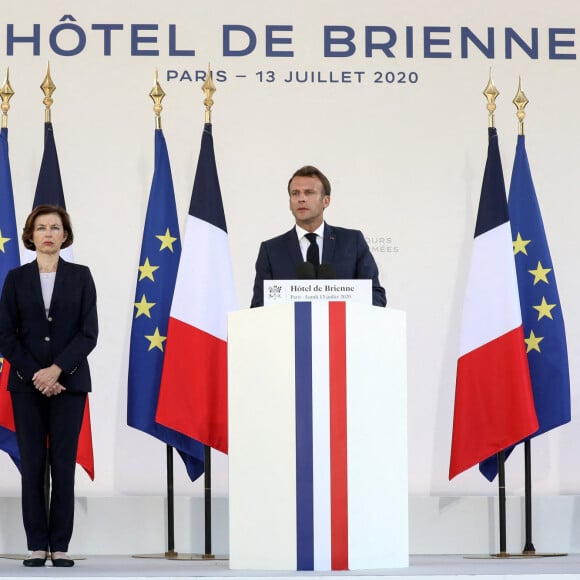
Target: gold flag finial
x,y
491,94
6,94
48,87
209,89
520,101
157,94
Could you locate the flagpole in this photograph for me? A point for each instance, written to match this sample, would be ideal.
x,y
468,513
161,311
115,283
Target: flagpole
x,y
47,87
520,101
502,504
207,555
208,89
170,553
6,93
529,549
491,93
157,94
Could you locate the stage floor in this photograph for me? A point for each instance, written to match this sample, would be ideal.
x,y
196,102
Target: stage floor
x,y
442,567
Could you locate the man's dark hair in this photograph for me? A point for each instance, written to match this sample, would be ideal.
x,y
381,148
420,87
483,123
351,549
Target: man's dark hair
x,y
311,171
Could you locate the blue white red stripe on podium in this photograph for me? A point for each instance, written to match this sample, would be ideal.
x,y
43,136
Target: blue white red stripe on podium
x,y
321,460
312,472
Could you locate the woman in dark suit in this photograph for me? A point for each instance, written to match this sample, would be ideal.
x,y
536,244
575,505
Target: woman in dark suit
x,y
48,326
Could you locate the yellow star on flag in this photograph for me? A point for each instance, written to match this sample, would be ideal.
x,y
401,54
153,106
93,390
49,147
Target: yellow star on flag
x,y
533,342
147,270
143,307
2,242
166,240
520,245
156,340
544,309
540,273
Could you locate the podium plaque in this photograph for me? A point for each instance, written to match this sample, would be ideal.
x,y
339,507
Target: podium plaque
x,y
285,291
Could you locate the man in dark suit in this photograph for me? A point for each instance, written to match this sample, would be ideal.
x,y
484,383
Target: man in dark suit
x,y
313,240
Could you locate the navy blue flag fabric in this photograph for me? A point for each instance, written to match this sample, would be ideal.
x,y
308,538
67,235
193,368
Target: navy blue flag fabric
x,y
49,188
160,253
544,331
9,259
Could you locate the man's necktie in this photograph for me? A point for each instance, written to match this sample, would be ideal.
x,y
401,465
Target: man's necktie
x,y
313,254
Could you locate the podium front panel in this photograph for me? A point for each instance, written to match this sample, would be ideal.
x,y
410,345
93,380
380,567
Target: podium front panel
x,y
317,437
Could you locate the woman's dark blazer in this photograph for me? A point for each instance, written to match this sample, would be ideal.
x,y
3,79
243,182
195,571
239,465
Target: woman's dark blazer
x,y
30,340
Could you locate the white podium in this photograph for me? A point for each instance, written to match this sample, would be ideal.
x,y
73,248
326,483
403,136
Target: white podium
x,y
318,437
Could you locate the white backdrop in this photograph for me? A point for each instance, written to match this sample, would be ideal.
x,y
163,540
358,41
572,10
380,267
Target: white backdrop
x,y
405,160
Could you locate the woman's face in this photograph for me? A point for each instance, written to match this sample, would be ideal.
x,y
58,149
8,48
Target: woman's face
x,y
48,234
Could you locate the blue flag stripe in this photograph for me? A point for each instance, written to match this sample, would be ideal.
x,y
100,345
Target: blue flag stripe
x,y
49,188
493,210
208,208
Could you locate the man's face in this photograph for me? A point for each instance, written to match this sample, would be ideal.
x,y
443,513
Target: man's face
x,y
307,202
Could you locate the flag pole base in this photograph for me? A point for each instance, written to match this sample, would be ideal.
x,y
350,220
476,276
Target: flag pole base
x,y
181,556
528,554
508,555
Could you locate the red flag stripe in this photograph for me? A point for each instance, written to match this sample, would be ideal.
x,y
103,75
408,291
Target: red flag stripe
x,y
198,383
338,436
85,457
490,414
6,414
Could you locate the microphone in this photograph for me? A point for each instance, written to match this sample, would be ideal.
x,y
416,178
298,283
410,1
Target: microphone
x,y
326,272
305,271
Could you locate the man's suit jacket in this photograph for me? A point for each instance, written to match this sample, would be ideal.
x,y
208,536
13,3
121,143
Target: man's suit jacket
x,y
345,249
30,340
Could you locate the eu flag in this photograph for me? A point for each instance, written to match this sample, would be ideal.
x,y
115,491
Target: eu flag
x,y
160,253
544,331
9,259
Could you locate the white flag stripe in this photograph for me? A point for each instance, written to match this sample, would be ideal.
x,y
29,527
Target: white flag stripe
x,y
492,305
203,293
321,438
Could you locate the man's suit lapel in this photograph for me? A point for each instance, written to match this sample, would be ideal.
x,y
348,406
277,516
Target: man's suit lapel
x,y
293,247
329,244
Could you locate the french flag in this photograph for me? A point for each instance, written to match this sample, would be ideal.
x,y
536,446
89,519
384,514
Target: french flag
x,y
193,391
494,404
318,453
